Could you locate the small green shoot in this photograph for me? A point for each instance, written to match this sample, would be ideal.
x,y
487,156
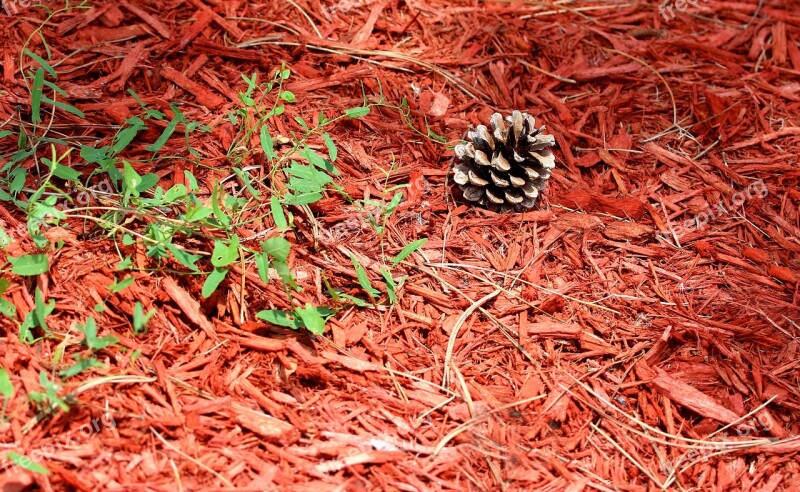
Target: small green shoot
x,y
81,364
363,280
91,340
7,308
6,390
409,248
49,399
29,265
37,317
120,286
26,463
310,317
140,318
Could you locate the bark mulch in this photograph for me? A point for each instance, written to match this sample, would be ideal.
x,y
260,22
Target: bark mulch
x,y
638,330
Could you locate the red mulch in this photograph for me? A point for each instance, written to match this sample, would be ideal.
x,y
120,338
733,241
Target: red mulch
x,y
598,343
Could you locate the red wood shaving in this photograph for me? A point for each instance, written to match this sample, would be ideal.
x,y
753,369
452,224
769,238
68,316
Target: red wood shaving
x,y
651,300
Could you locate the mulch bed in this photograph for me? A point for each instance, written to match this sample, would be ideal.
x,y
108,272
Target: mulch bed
x,y
638,330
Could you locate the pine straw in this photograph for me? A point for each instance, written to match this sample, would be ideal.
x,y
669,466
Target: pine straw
x,y
589,345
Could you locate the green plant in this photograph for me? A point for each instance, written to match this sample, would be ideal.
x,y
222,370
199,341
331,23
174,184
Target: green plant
x,y
91,340
26,463
93,343
7,308
40,82
407,250
81,364
48,400
310,317
140,318
37,317
137,210
6,390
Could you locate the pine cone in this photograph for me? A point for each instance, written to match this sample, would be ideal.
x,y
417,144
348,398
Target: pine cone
x,y
507,167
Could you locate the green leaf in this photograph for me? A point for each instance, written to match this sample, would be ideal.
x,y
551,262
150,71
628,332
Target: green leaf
x,y
267,144
56,89
287,96
191,180
276,111
300,121
307,182
168,131
127,134
140,319
27,464
251,82
37,95
136,97
67,173
318,160
197,212
130,180
177,192
311,319
93,155
186,259
277,317
285,274
5,240
234,203
5,133
262,263
355,300
81,364
410,248
363,279
277,247
225,254
393,205
24,334
63,106
6,386
29,265
302,198
43,212
245,178
277,213
41,310
51,393
213,280
8,309
117,287
42,62
223,218
332,152
357,112
247,100
307,176
147,181
124,264
36,317
391,287
17,181
89,330
135,355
